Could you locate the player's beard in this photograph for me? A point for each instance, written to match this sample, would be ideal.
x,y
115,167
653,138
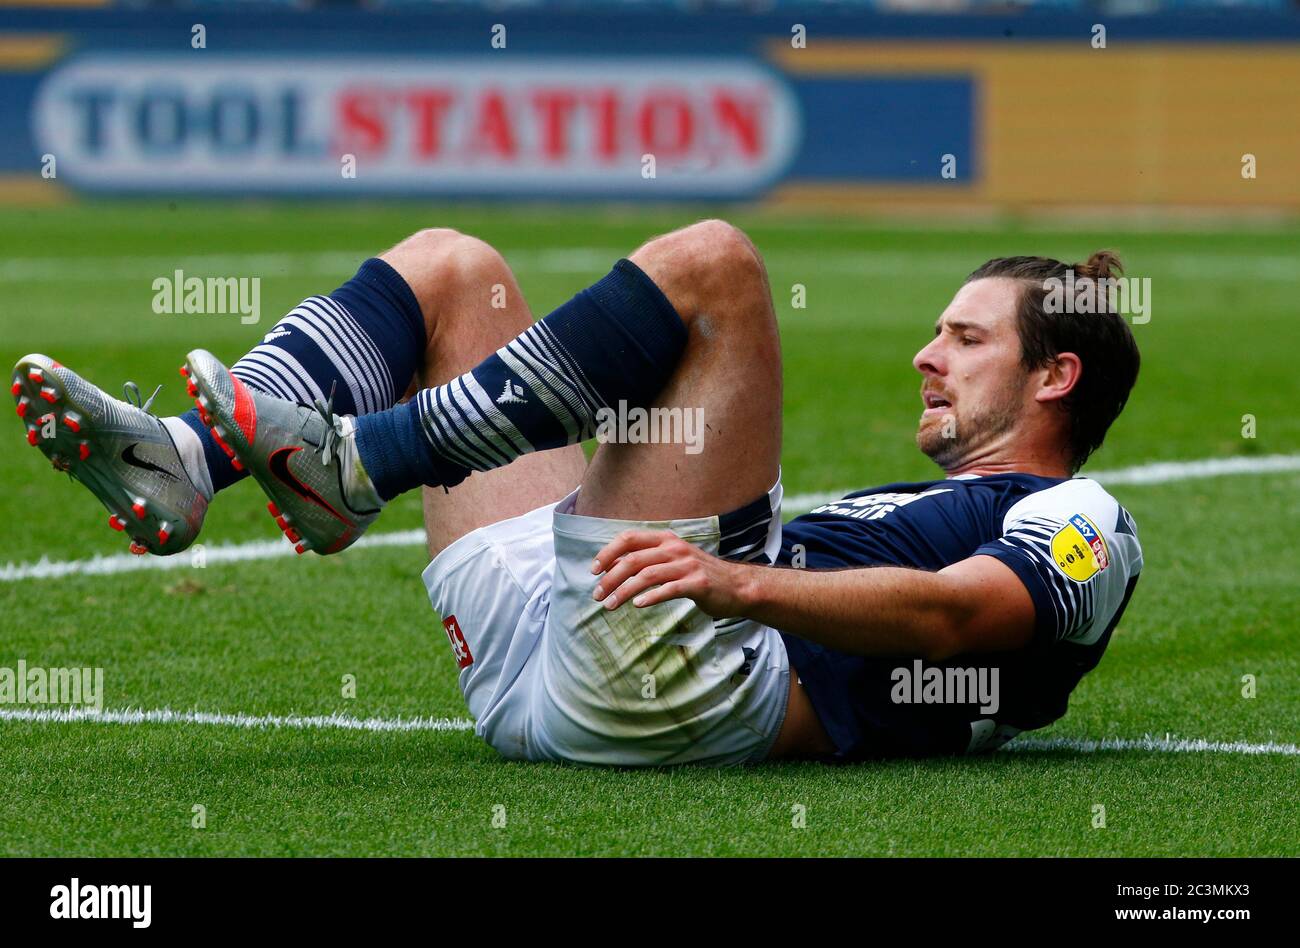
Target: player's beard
x,y
971,428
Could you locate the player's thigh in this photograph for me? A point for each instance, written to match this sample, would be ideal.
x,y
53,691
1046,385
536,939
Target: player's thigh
x,y
660,685
483,498
712,440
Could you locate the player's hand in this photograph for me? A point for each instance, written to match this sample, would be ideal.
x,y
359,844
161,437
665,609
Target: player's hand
x,y
652,566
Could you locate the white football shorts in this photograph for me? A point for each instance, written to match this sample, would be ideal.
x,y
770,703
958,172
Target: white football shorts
x,y
551,675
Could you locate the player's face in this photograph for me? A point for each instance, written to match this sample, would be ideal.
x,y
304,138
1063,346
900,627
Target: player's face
x,y
974,387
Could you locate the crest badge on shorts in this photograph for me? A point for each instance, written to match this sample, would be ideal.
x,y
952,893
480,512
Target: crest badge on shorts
x,y
459,647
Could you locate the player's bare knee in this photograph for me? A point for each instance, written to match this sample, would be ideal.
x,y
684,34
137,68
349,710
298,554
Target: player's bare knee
x,y
458,260
721,249
702,265
416,251
448,270
731,284
726,240
429,239
738,260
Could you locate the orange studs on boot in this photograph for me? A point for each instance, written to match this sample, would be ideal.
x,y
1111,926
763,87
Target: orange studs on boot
x,y
221,442
116,522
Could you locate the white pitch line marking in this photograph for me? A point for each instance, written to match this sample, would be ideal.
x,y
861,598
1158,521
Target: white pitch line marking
x,y
213,554
1165,745
1160,472
584,260
343,722
346,722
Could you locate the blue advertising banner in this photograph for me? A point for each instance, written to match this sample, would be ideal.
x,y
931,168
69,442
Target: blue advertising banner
x,y
514,104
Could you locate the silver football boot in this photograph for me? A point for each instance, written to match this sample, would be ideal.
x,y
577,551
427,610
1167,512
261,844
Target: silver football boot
x,y
119,451
304,458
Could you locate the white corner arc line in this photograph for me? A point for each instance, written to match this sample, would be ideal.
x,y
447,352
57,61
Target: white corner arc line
x,y
1160,472
346,722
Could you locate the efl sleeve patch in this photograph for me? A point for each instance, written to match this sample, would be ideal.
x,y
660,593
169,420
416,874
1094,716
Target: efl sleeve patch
x,y
1058,565
1059,541
1079,550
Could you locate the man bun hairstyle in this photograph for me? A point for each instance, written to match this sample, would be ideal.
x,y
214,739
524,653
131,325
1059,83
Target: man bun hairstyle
x,y
1090,328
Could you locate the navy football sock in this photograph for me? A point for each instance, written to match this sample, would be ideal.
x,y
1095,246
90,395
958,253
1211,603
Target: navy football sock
x,y
367,336
619,339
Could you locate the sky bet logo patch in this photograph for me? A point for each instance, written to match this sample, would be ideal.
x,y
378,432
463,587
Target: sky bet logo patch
x,y
1079,550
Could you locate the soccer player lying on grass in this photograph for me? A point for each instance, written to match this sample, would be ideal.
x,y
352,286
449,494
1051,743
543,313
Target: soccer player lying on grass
x,y
648,608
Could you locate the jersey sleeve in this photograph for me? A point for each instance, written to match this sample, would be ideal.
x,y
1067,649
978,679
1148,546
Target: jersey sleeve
x,y
1076,550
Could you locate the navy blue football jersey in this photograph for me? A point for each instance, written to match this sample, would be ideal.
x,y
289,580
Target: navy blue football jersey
x,y
1074,547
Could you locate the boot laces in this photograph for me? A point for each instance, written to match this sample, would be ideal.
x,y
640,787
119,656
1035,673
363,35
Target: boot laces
x,y
334,429
131,392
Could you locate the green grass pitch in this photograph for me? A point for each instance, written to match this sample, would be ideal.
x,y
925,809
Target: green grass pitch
x,y
1218,599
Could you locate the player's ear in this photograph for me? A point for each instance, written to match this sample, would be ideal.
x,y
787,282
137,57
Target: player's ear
x,y
1059,377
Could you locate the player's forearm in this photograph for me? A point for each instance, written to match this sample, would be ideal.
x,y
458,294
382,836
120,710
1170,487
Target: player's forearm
x,y
874,611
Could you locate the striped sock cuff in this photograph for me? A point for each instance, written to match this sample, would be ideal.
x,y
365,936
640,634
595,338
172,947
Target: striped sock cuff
x,y
367,337
637,340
